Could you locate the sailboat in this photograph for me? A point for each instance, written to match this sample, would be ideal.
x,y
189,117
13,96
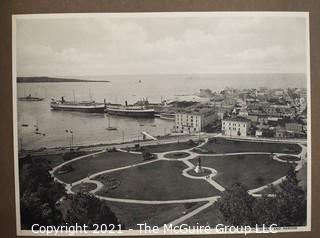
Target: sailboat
x,y
36,131
111,128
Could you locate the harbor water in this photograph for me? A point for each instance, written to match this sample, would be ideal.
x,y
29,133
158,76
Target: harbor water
x,y
39,126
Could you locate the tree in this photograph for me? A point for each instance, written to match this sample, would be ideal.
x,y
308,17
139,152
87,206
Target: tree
x,y
265,211
287,208
38,194
291,201
86,209
147,155
191,143
235,206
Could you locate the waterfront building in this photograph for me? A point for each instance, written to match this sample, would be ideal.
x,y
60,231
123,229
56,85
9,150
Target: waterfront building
x,y
217,102
279,92
220,115
259,133
252,118
237,126
270,110
273,121
279,110
243,113
294,127
194,121
281,132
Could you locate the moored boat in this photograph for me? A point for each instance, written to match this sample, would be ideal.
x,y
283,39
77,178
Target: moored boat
x,y
30,98
130,111
80,106
168,116
111,128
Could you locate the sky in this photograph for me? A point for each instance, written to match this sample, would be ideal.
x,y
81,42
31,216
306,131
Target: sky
x,y
155,44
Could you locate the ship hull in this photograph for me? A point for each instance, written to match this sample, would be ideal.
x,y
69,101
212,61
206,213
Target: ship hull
x,y
167,118
30,99
91,109
131,113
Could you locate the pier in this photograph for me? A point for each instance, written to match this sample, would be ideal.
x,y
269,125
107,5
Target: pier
x,y
148,135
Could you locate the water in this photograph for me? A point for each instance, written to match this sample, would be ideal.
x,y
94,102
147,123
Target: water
x,y
89,128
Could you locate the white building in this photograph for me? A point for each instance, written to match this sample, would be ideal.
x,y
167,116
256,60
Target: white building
x,y
243,113
235,126
259,133
195,121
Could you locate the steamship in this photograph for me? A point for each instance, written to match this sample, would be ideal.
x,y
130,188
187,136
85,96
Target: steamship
x,y
129,110
80,106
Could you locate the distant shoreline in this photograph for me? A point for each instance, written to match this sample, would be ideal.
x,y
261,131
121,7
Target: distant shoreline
x,y
55,80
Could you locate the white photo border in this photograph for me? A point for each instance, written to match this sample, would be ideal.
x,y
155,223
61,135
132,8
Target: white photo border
x,y
159,15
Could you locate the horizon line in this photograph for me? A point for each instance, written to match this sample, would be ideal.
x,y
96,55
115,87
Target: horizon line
x,y
185,74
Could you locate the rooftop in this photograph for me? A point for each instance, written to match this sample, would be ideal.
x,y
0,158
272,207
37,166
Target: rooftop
x,y
236,119
197,111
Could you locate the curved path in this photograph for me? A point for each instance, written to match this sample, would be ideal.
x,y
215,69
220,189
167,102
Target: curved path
x,y
207,179
192,155
75,159
161,156
138,201
90,178
191,214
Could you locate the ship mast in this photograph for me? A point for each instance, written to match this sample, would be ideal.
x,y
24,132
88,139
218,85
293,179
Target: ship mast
x,y
74,97
90,95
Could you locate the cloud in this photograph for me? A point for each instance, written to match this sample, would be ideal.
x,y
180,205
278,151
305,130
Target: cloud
x,y
97,46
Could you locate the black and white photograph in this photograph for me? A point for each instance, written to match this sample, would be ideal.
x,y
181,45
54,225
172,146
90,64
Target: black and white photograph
x,y
161,123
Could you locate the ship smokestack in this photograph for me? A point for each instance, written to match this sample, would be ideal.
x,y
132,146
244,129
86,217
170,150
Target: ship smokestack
x,y
126,103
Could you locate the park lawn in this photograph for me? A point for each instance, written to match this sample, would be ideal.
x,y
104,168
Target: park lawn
x,y
302,177
168,147
251,170
85,187
207,217
223,145
131,214
97,163
56,159
289,158
161,180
